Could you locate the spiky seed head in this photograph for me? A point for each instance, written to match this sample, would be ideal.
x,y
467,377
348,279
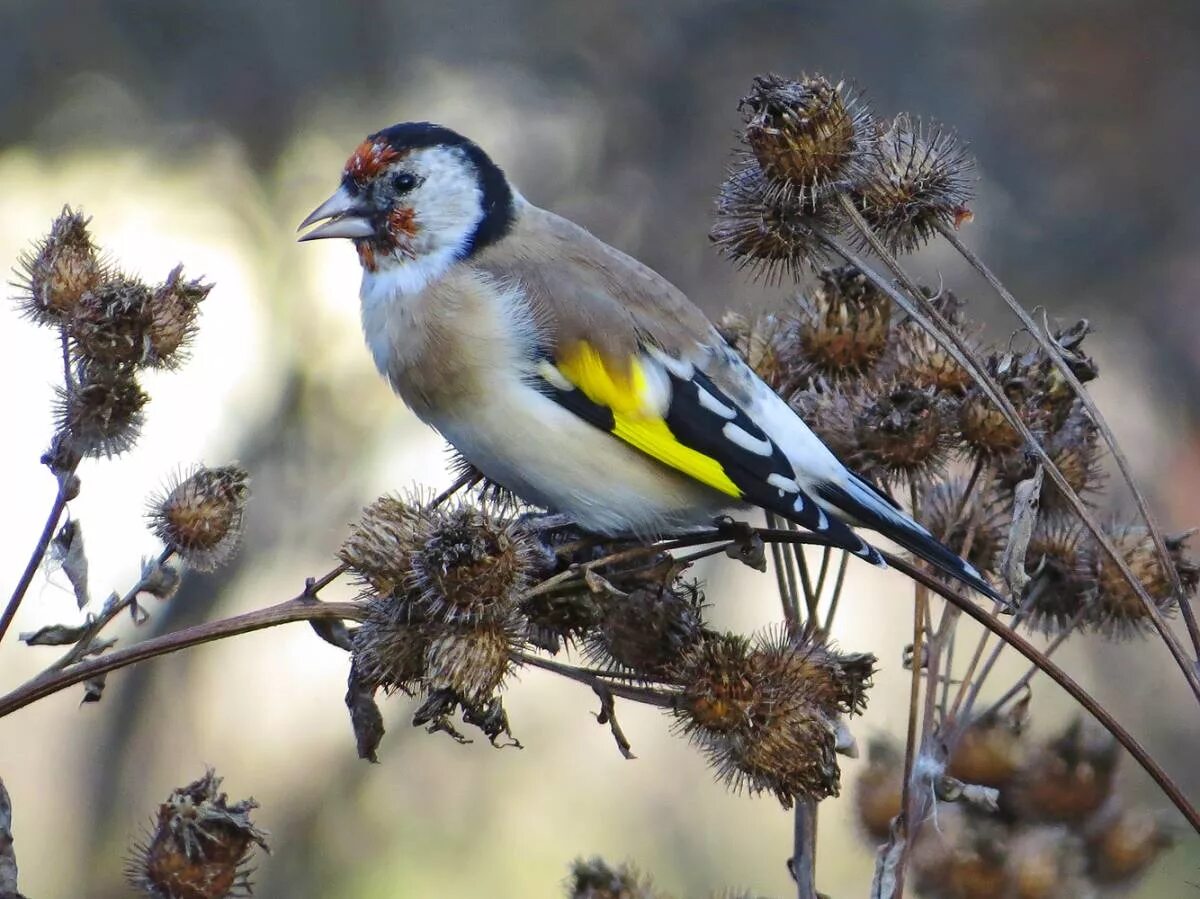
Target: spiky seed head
x,y
1124,845
963,857
647,631
954,517
391,645
101,414
985,431
904,430
990,752
766,231
108,326
556,620
200,515
1062,587
843,326
1075,448
921,360
1046,863
594,878
381,544
1119,610
808,135
1067,779
467,564
880,787
200,846
765,713
920,179
171,313
472,660
59,271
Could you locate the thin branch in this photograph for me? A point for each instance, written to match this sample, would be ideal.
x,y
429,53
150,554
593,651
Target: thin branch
x,y
39,552
803,863
1044,340
625,691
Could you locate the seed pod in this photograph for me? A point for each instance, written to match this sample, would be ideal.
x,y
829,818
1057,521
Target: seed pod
x,y
108,326
989,753
843,326
1124,844
986,432
391,644
1119,610
767,232
920,180
101,414
1062,587
200,515
921,360
1046,863
903,431
1067,779
953,518
964,857
380,547
646,631
171,312
808,136
60,271
467,564
880,788
200,846
472,661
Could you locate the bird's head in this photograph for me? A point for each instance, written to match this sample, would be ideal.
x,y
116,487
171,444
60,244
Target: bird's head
x,y
416,196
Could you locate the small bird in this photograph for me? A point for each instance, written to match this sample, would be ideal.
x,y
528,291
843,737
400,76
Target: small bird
x,y
569,372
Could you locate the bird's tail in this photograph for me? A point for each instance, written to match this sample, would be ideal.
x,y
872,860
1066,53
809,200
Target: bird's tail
x,y
869,507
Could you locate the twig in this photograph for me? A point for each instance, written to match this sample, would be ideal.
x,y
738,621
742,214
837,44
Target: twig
x,y
1064,680
1044,340
625,691
803,863
39,551
836,596
1024,679
907,802
8,859
608,715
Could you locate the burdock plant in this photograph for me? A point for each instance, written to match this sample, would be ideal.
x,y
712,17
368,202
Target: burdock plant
x,y
995,447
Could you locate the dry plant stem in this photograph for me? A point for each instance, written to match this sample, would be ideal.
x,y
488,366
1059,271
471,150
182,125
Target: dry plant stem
x,y
945,335
785,580
804,849
836,596
908,803
593,680
1047,344
8,858
1060,677
1023,681
39,552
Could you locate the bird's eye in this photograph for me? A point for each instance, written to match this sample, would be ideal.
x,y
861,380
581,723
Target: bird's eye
x,y
404,182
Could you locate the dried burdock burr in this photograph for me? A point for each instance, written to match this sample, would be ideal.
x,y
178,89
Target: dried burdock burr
x,y
101,413
921,360
879,790
920,180
963,857
472,660
1119,611
768,232
1075,448
594,878
467,563
989,752
1067,779
842,326
807,135
645,632
902,430
170,319
381,543
1122,844
390,645
200,846
955,517
1062,588
108,326
199,516
1046,863
987,434
59,271
765,713
769,345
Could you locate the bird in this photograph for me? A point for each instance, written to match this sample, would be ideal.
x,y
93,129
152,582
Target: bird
x,y
569,372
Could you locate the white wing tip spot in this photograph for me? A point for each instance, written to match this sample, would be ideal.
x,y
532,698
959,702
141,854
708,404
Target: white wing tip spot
x,y
747,441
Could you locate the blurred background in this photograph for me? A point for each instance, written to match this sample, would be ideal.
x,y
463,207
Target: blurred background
x,y
202,132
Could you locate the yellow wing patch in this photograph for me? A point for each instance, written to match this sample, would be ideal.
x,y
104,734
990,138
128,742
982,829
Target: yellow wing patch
x,y
624,393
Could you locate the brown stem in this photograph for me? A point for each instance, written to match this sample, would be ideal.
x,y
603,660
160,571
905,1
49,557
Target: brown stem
x,y
908,803
39,553
952,342
1064,680
804,849
625,691
1101,423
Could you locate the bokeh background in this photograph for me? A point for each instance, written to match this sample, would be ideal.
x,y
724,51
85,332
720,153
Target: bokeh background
x,y
202,132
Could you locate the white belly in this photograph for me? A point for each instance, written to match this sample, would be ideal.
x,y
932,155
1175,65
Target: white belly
x,y
546,455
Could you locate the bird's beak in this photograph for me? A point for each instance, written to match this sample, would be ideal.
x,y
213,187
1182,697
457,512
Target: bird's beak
x,y
346,218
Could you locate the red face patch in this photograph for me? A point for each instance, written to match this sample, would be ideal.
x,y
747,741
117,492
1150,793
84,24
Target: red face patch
x,y
402,228
371,158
